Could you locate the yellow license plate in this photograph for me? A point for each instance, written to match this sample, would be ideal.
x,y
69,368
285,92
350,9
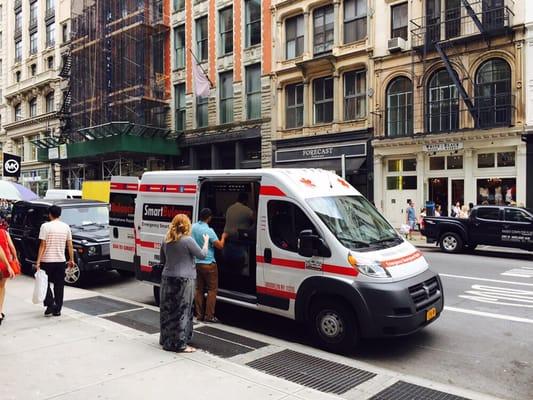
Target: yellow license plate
x,y
431,313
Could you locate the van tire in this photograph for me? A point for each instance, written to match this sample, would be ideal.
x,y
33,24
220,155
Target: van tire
x,y
157,297
451,242
333,325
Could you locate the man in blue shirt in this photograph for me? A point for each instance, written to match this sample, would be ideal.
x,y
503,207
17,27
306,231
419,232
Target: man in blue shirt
x,y
206,269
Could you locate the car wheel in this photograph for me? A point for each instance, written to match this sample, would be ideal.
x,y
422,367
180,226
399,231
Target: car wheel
x,y
156,295
334,326
451,242
74,276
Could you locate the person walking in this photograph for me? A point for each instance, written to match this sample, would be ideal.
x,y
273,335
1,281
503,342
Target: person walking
x,y
207,270
54,236
456,210
411,217
177,254
9,264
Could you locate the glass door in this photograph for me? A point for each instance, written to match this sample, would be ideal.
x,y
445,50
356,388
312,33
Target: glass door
x,y
438,193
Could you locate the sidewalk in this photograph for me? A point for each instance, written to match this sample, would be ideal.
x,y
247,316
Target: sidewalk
x,y
86,355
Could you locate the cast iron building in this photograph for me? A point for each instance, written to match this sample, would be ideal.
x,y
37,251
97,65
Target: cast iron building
x,y
232,42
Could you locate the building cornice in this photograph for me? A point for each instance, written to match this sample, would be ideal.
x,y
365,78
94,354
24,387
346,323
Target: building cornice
x,y
34,83
31,121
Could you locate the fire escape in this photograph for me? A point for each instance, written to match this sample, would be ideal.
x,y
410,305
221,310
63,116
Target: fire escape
x,y
448,31
64,111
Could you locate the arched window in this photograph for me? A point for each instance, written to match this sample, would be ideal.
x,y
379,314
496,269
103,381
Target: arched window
x,y
443,103
400,107
493,93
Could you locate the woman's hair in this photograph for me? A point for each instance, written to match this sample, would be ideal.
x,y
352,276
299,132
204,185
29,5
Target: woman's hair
x,y
180,226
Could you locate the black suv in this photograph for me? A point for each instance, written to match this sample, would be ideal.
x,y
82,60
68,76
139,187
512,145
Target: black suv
x,y
88,221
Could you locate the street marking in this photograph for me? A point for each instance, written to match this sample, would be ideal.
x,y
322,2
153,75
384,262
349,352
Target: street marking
x,y
500,296
473,278
523,272
490,315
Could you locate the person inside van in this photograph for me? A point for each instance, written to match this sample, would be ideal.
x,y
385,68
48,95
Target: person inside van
x,y
239,223
206,269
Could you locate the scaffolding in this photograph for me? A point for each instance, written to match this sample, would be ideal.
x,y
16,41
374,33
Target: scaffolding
x,y
116,66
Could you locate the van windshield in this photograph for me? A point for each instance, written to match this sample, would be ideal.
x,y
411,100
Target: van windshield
x,y
85,216
354,221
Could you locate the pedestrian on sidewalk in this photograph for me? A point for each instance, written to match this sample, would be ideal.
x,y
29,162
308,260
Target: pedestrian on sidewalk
x,y
207,270
9,264
177,254
55,236
411,218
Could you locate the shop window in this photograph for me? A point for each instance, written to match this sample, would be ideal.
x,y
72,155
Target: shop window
x,y
409,164
225,25
490,213
400,107
496,191
253,22
443,103
485,160
454,162
394,165
294,36
323,27
437,163
399,21
295,105
354,95
409,182
323,100
402,182
493,94
516,215
285,222
354,20
506,159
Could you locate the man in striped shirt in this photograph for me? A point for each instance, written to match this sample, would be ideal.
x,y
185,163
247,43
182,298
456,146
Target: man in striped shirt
x,y
55,236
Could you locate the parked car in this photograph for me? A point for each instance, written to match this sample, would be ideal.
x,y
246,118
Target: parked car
x,y
56,194
489,225
89,222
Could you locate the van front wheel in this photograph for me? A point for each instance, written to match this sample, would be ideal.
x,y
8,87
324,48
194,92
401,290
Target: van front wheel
x,y
333,326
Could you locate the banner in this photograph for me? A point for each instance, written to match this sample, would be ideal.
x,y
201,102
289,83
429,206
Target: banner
x,y
11,165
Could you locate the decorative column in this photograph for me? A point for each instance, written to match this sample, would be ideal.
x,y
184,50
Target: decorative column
x,y
307,35
280,42
307,104
336,97
336,27
379,183
420,180
521,171
470,194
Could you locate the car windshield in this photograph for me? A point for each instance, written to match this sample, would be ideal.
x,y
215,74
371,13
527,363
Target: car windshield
x,y
354,221
85,216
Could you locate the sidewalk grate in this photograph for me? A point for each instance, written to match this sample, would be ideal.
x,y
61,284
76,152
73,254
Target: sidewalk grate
x,y
316,373
143,320
407,391
99,305
218,347
232,337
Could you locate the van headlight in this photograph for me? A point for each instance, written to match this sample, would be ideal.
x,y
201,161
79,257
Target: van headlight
x,y
91,251
373,270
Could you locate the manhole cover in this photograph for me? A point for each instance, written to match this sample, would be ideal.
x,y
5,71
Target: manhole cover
x,y
98,305
407,391
316,373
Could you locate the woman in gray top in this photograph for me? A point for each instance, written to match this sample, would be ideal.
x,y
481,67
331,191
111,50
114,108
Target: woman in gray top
x,y
178,284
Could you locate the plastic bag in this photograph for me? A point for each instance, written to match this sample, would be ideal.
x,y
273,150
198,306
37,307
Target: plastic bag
x,y
41,286
405,229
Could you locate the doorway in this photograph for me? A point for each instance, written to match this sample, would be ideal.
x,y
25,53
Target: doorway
x,y
438,193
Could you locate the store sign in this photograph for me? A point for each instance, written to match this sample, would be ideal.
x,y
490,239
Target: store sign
x,y
63,151
53,153
443,147
11,165
321,152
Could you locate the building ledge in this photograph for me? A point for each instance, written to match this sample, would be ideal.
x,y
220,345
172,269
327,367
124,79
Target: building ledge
x,y
38,81
31,121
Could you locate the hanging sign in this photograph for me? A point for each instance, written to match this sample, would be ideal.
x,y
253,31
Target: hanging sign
x,y
11,165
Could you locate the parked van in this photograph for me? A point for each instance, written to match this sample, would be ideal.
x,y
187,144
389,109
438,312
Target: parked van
x,y
123,192
317,251
62,194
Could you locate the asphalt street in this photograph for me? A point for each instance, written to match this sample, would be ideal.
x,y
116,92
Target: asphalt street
x,y
482,341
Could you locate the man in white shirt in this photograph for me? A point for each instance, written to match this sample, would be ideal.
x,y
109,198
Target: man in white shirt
x,y
54,236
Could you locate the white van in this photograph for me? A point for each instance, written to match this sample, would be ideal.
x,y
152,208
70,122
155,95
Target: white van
x,y
59,194
318,251
122,195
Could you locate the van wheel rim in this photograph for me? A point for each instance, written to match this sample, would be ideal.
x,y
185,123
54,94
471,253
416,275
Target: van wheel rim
x,y
450,243
72,275
331,325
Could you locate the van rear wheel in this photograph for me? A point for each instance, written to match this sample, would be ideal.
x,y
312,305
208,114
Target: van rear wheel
x,y
451,242
334,326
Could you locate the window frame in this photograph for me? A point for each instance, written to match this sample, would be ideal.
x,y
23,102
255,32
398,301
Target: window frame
x,y
50,102
299,40
179,58
407,108
225,37
224,99
17,112
355,20
327,45
179,108
296,108
251,93
34,43
249,24
450,123
178,5
50,32
402,31
202,104
202,42
357,96
325,101
489,105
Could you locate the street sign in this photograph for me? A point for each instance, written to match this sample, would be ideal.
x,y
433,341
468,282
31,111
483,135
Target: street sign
x,y
11,165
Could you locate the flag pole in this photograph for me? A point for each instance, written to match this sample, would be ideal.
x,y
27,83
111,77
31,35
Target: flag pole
x,y
202,68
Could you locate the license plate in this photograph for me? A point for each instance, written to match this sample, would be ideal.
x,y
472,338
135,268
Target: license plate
x,y
431,313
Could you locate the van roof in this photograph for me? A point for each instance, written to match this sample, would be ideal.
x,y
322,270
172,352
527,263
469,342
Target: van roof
x,y
60,202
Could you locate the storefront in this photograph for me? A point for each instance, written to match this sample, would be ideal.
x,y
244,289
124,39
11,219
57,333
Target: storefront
x,y
336,152
459,169
37,180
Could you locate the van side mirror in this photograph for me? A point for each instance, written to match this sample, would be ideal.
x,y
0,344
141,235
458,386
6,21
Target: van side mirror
x,y
310,245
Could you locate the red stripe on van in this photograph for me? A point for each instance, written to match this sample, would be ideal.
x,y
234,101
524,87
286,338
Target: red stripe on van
x,y
275,292
146,268
124,186
181,189
401,260
145,244
271,191
336,269
281,262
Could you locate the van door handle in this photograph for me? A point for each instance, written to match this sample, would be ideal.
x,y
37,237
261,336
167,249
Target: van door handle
x,y
267,255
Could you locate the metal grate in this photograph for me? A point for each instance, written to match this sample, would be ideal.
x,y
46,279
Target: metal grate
x,y
143,320
425,293
316,373
232,337
407,391
98,305
218,347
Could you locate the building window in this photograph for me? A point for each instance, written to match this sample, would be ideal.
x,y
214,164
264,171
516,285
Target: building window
x,y
226,97
500,159
179,101
33,107
64,33
253,91
400,107
178,5
17,76
32,150
1,39
354,20
33,69
50,35
294,33
18,50
226,31
33,43
50,62
399,21
18,21
33,13
354,95
50,102
323,26
323,100
50,7
496,191
294,117
18,147
18,112
201,111
253,22
407,182
506,159
179,47
201,39
443,103
493,94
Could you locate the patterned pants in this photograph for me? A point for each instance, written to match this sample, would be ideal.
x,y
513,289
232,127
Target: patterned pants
x,y
176,312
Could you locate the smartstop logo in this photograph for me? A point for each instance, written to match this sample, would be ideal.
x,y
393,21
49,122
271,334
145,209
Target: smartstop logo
x,y
164,212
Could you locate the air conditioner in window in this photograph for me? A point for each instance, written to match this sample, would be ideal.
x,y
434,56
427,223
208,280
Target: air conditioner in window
x,y
397,44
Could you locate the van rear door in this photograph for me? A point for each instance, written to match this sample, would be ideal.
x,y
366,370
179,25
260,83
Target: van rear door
x,y
123,192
